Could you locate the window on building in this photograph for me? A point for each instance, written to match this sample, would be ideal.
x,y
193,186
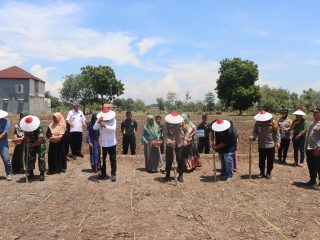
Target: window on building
x,y
19,88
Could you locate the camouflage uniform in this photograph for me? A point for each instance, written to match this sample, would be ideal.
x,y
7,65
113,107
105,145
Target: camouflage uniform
x,y
34,137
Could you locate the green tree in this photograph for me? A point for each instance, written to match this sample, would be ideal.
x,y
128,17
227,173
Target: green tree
x,y
209,101
171,101
310,98
236,83
55,102
161,104
102,80
139,105
76,88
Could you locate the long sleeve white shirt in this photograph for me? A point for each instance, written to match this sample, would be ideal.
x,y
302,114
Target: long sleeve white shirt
x,y
107,133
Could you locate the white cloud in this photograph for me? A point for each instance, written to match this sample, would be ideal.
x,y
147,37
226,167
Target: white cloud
x,y
40,72
312,62
148,43
54,88
8,58
52,31
198,77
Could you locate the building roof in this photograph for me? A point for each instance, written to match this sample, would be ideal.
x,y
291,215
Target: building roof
x,y
17,73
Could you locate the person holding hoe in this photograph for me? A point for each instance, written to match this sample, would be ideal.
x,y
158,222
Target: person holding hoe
x,y
225,144
268,134
173,140
107,125
35,145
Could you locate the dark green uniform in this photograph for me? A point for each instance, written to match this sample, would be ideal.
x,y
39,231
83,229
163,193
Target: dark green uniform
x,y
40,150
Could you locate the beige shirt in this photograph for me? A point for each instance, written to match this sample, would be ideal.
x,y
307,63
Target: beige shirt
x,y
267,136
313,136
173,133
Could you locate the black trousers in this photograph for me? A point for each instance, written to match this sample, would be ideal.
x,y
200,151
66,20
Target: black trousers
x,y
266,153
313,165
204,144
112,151
129,140
179,158
76,143
283,150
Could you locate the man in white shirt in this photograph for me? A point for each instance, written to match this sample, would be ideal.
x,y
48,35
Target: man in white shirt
x,y
76,121
107,125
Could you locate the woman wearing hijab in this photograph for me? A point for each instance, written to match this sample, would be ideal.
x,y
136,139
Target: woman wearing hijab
x,y
151,140
19,150
92,139
57,161
190,151
284,126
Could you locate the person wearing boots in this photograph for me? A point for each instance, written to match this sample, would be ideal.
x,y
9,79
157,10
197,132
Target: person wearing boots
x,y
284,127
267,132
299,128
204,139
128,129
173,139
4,146
35,144
107,126
313,150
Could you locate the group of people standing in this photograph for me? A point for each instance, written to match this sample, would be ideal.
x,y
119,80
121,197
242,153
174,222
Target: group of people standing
x,y
274,134
176,137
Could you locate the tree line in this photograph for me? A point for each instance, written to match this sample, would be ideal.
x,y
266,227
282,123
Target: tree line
x,y
236,90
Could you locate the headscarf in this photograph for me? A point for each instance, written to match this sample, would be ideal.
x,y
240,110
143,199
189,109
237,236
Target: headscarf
x,y
152,129
94,118
23,114
187,121
58,128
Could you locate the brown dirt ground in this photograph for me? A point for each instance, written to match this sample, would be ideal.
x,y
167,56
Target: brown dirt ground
x,y
75,205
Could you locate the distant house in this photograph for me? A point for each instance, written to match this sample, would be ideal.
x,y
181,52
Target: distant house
x,y
21,91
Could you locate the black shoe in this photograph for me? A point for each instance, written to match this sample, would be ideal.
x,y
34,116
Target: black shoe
x,y
310,183
102,177
30,175
261,175
167,177
81,155
268,176
180,178
41,177
113,178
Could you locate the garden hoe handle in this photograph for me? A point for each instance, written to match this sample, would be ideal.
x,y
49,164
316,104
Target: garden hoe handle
x,y
26,160
250,159
214,165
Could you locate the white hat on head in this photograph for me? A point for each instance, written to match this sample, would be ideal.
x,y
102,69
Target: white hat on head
x,y
299,112
221,125
106,114
3,114
263,116
29,123
174,118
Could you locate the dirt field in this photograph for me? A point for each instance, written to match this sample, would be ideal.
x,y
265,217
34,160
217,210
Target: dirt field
x,y
75,205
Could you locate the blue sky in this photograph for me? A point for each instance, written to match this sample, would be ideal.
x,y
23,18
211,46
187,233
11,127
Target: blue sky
x,y
160,46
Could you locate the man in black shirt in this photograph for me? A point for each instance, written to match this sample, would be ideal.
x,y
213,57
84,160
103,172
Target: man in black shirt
x,y
128,129
204,142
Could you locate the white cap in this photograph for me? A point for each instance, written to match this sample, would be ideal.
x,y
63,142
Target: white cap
x,y
221,125
299,112
3,114
263,116
106,114
29,123
174,118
